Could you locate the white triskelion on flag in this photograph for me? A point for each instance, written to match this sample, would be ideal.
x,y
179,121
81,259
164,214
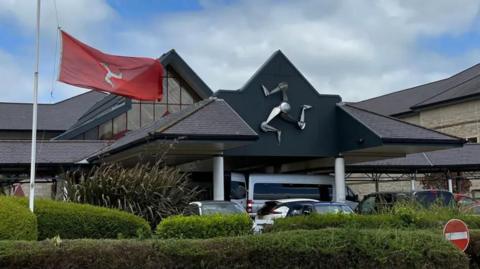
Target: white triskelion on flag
x,y
456,231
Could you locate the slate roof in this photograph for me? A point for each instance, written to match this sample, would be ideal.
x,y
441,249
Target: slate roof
x,y
459,86
466,156
17,152
51,117
394,130
209,119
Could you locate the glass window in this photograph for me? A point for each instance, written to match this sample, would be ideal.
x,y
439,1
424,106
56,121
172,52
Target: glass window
x,y
120,124
367,206
275,191
133,117
221,208
173,91
105,130
173,108
91,134
238,190
187,98
160,111
147,113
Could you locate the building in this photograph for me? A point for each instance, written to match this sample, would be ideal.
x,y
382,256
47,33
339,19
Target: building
x,y
276,123
450,105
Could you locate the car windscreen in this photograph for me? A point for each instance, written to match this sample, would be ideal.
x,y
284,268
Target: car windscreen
x,y
277,191
429,198
326,209
238,190
221,208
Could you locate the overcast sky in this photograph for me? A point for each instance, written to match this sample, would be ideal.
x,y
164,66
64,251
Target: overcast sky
x,y
357,49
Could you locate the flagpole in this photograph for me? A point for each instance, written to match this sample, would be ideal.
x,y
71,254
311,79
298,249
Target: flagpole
x,y
34,116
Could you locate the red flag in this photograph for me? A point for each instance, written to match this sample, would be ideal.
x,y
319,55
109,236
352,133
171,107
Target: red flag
x,y
86,67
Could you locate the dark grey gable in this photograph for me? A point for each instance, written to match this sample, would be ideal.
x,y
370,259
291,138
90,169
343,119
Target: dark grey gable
x,y
317,139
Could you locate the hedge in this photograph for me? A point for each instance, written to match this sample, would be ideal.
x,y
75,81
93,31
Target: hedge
x,y
73,221
399,221
328,248
204,226
16,221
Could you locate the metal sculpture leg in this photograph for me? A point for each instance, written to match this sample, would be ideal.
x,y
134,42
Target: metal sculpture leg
x,y
301,122
268,128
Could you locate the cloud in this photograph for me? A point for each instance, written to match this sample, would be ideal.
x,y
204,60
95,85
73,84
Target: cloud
x,y
343,47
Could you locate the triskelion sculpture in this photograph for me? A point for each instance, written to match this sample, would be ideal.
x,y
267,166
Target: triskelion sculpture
x,y
283,110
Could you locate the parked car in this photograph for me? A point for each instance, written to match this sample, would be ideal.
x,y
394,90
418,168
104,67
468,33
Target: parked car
x,y
464,200
213,207
275,209
380,201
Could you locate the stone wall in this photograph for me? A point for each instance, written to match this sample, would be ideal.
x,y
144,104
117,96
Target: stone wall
x,y
460,119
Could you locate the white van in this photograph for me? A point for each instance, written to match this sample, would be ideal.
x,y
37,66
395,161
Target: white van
x,y
265,187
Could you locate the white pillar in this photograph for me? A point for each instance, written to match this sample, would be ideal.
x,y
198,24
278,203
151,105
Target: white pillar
x,y
450,185
218,179
340,179
412,184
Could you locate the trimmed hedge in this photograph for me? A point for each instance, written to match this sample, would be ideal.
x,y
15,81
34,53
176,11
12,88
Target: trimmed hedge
x,y
16,221
73,221
204,226
399,221
329,248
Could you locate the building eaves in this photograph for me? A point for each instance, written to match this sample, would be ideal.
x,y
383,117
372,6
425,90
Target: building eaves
x,y
51,117
17,152
392,130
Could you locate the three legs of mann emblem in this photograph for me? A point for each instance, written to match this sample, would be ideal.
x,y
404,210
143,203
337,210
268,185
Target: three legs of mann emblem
x,y
283,110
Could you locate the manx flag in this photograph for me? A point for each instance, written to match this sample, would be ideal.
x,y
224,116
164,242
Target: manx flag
x,y
86,67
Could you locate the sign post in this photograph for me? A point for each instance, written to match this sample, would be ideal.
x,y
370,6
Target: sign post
x,y
456,231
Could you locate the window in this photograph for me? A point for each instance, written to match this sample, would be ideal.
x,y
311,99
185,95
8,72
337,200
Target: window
x,y
275,191
105,130
120,124
146,115
238,190
133,117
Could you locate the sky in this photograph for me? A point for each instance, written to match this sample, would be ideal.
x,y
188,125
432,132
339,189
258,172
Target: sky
x,y
356,49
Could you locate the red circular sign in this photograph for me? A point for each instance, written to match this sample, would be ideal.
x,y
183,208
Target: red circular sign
x,y
456,231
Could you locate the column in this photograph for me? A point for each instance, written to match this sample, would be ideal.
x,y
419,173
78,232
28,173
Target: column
x,y
340,179
412,181
450,185
218,178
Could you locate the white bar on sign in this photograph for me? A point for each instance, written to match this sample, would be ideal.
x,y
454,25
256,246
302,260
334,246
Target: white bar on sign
x,y
456,236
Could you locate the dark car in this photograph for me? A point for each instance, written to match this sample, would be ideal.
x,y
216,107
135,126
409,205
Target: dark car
x,y
380,201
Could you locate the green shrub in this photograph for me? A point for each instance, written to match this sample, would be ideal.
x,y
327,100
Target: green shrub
x,y
400,218
71,221
204,226
16,221
328,248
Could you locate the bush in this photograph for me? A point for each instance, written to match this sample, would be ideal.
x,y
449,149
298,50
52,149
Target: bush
x,y
152,192
402,217
71,220
16,221
329,248
204,226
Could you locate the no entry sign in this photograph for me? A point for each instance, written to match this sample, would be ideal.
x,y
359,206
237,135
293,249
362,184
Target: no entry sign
x,y
456,231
